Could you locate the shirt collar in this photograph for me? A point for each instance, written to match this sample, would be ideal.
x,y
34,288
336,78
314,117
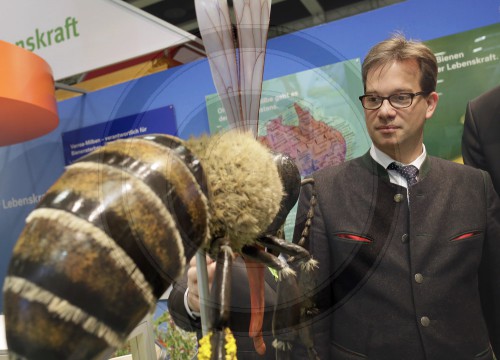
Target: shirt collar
x,y
384,160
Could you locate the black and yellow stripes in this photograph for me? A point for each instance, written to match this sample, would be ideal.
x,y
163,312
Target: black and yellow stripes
x,y
103,244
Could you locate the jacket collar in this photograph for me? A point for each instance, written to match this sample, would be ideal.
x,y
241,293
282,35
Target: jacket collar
x,y
378,170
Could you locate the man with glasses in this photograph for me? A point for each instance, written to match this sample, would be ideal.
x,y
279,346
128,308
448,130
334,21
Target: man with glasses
x,y
408,244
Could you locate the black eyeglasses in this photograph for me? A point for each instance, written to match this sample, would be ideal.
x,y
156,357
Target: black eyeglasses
x,y
398,101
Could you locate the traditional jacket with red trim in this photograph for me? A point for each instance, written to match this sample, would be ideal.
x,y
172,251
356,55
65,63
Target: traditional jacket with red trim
x,y
399,279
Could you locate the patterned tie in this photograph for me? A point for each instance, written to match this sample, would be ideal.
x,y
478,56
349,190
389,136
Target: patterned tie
x,y
409,172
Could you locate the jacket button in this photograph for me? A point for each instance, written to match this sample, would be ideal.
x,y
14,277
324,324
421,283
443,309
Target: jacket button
x,y
398,198
404,238
419,278
425,321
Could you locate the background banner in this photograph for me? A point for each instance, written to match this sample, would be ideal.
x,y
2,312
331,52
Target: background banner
x,y
469,64
76,36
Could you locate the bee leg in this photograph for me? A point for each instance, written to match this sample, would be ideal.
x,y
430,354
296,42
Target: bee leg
x,y
293,307
306,281
297,252
220,299
293,312
286,316
308,309
258,254
286,312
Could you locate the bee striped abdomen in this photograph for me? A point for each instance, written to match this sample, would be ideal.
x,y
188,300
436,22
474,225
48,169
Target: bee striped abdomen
x,y
177,181
104,243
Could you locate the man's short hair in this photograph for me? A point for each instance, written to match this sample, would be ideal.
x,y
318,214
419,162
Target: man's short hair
x,y
397,49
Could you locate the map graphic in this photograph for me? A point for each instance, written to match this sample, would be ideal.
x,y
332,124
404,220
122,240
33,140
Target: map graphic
x,y
314,116
312,144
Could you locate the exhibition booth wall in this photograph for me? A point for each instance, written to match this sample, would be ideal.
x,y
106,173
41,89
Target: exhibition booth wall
x,y
316,71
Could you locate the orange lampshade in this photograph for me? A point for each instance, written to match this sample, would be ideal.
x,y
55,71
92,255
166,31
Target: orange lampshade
x,y
28,106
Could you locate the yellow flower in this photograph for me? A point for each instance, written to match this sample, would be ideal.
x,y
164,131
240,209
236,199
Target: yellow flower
x,y
205,349
230,346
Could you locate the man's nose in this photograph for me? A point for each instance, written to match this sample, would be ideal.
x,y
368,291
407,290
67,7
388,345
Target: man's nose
x,y
386,107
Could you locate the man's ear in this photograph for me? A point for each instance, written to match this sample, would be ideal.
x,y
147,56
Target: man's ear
x,y
432,101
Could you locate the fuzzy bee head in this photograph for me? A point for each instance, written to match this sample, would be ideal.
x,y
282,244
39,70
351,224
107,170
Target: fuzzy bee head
x,y
245,189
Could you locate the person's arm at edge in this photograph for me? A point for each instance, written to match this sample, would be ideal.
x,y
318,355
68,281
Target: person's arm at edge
x,y
472,151
489,272
177,308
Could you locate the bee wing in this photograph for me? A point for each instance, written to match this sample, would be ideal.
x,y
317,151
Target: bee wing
x,y
252,20
215,27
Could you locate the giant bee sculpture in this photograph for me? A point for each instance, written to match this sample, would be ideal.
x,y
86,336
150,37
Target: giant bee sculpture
x,y
120,225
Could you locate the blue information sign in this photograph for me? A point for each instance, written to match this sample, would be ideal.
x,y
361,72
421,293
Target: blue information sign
x,y
80,142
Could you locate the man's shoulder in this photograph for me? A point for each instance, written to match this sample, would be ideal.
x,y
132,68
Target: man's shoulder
x,y
488,97
338,169
329,170
484,110
449,167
